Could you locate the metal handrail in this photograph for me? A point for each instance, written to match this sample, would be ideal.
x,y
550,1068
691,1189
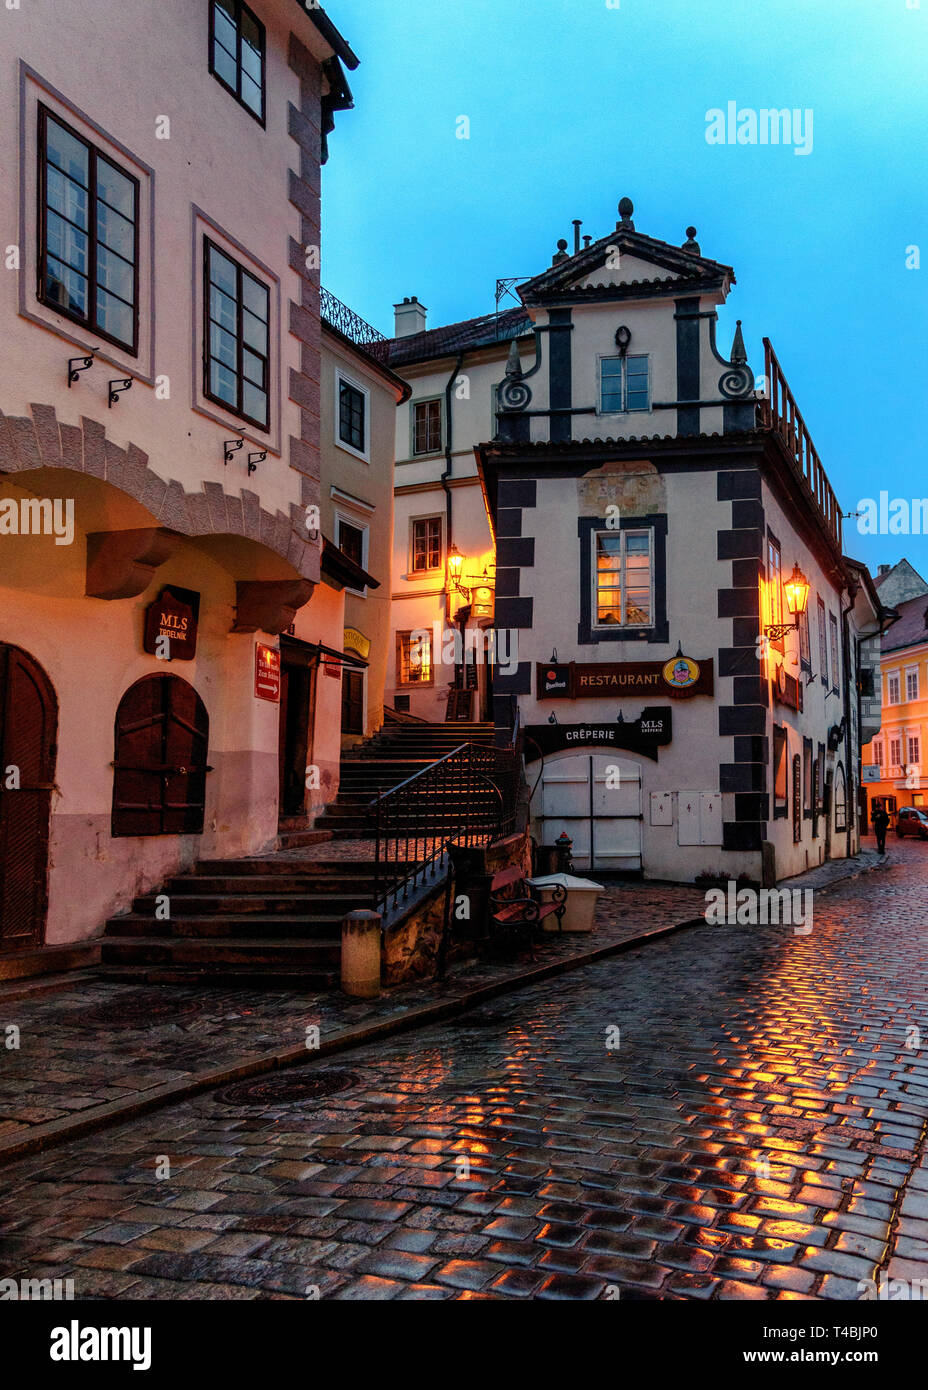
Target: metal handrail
x,y
426,810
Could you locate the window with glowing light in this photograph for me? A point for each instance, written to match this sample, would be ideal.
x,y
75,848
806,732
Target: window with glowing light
x,y
414,658
623,578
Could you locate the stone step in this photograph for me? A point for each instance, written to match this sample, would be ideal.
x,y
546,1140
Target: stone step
x,y
244,904
251,975
138,925
221,951
273,865
300,839
293,882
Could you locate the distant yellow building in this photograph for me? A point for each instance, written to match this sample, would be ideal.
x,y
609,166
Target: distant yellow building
x,y
895,772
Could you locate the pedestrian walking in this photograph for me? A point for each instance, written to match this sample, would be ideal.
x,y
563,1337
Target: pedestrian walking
x,y
880,827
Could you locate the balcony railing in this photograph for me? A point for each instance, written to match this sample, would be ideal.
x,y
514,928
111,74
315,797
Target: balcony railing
x,y
358,330
781,413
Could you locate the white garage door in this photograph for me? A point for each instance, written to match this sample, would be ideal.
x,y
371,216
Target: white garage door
x,y
596,798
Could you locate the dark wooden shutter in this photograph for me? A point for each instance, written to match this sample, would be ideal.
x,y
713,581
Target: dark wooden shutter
x,y
162,739
352,702
28,730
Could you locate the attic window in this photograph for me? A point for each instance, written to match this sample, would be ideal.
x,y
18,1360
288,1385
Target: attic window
x,y
623,384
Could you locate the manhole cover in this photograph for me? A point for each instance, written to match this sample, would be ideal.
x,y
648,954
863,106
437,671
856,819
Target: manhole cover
x,y
143,1009
288,1090
483,1018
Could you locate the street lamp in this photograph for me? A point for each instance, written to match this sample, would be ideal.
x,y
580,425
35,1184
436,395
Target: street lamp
x,y
797,598
455,567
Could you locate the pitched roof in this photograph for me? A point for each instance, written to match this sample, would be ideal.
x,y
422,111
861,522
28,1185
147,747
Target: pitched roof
x,y
483,331
912,627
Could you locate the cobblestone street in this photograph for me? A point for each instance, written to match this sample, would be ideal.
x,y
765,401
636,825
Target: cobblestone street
x,y
731,1113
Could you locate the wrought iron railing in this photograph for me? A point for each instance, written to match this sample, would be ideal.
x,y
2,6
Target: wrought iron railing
x,y
352,325
781,413
469,797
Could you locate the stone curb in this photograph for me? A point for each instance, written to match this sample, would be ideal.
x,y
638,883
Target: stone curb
x,y
55,1132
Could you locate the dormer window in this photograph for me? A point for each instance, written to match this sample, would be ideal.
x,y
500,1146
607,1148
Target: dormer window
x,y
624,384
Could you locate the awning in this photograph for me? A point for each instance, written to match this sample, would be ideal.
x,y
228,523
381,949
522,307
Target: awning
x,y
299,653
337,566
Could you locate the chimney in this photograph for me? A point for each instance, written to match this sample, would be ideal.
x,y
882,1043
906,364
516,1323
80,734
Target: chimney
x,y
883,569
409,317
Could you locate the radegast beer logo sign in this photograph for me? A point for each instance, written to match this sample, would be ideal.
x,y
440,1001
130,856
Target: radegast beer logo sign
x,y
680,678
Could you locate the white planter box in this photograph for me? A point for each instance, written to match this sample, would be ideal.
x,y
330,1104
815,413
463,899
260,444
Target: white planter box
x,y
580,907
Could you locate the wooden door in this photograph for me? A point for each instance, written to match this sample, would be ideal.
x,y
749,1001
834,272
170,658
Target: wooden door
x,y
162,739
352,702
28,737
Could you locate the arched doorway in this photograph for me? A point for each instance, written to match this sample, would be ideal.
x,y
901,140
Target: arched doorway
x,y
162,739
28,745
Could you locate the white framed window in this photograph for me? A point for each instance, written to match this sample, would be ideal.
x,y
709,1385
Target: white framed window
x,y
911,683
895,750
624,384
414,658
835,664
425,545
876,753
822,641
427,426
892,689
623,578
352,416
913,746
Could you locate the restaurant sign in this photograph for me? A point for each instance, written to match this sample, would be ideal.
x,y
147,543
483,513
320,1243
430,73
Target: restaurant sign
x,y
678,678
171,625
652,730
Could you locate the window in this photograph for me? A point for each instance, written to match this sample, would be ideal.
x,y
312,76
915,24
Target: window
x,y
351,542
913,742
822,643
774,586
159,779
426,544
876,753
807,779
911,682
780,773
414,657
624,384
892,688
352,415
426,427
622,585
895,750
236,338
840,799
88,234
835,665
236,53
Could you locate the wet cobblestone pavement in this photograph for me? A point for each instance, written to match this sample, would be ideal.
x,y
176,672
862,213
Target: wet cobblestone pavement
x,y
71,1060
732,1113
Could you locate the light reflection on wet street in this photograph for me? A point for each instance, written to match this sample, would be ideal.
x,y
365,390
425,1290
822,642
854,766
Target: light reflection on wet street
x,y
736,1112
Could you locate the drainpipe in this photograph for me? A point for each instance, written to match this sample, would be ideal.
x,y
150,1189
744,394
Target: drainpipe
x,y
845,642
449,464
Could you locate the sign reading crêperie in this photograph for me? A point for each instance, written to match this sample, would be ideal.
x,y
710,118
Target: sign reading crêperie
x,y
679,678
267,673
171,625
644,735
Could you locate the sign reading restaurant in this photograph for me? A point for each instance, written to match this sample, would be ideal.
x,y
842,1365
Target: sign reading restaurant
x,y
680,677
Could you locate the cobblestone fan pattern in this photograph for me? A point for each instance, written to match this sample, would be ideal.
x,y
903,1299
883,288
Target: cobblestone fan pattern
x,y
757,1132
65,1065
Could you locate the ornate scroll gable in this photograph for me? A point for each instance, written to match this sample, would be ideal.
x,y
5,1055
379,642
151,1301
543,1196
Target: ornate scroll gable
x,y
43,442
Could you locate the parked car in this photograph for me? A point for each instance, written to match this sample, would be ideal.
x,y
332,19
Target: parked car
x,y
912,820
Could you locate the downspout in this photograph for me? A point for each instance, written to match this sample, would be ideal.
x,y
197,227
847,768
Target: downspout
x,y
845,642
449,465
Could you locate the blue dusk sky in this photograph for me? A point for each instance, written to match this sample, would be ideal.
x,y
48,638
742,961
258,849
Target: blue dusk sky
x,y
574,103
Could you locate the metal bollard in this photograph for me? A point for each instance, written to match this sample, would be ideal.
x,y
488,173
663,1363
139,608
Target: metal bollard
x,y
361,952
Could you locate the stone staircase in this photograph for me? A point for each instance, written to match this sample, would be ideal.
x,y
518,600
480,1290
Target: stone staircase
x,y
271,921
397,752
276,920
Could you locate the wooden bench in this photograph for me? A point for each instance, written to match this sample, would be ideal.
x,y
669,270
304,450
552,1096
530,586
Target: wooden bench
x,y
515,914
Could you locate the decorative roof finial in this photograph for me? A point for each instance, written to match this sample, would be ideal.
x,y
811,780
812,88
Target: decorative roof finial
x,y
514,361
626,208
738,351
561,253
691,245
